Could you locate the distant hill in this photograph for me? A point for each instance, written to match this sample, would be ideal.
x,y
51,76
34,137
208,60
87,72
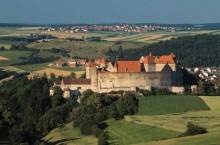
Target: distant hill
x,y
191,51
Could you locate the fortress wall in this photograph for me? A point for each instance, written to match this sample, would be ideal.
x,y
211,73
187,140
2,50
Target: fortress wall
x,y
133,80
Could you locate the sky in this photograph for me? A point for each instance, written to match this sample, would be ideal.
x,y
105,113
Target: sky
x,y
109,11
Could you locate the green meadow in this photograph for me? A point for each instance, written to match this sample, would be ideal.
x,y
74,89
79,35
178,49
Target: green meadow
x,y
13,56
122,132
158,105
70,136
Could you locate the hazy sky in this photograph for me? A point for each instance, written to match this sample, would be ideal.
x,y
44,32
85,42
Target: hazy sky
x,y
109,11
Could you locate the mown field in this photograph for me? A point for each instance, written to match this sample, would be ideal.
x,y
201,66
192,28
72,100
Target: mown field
x,y
157,105
13,57
69,136
122,132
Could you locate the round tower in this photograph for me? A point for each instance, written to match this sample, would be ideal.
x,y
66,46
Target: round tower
x,y
94,78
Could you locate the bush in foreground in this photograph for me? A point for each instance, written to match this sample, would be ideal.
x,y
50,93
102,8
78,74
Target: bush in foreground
x,y
193,129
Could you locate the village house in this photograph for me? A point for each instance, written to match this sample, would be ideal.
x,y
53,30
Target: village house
x,y
60,63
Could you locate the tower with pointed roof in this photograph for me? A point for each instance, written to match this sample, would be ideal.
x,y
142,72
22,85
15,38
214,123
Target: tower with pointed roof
x,y
149,63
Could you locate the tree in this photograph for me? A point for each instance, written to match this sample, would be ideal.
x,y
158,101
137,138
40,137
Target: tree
x,y
85,95
57,99
103,139
72,75
127,105
83,75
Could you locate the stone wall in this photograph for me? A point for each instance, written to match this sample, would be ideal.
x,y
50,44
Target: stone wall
x,y
130,81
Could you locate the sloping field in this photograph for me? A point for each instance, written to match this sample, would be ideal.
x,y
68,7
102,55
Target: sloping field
x,y
209,119
124,133
13,56
12,68
212,138
3,58
57,72
68,135
158,105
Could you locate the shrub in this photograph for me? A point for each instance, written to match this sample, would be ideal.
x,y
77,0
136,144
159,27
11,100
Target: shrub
x,y
193,129
103,139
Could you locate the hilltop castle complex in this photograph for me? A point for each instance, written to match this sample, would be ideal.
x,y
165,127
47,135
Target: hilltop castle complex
x,y
150,71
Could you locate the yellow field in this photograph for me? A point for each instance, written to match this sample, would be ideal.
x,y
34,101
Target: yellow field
x,y
13,35
122,38
69,35
167,38
152,37
6,79
12,68
57,72
3,58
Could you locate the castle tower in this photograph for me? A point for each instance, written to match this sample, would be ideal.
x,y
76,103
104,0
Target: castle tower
x,y
89,66
94,78
149,63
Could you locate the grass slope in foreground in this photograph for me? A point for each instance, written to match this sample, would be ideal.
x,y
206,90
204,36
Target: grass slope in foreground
x,y
69,135
122,132
158,105
203,139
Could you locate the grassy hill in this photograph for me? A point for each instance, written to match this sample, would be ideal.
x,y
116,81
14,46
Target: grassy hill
x,y
204,139
158,105
123,133
69,136
154,129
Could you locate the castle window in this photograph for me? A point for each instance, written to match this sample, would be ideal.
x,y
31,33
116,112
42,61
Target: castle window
x,y
78,88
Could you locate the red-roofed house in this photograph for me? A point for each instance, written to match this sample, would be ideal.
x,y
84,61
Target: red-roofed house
x,y
60,63
128,66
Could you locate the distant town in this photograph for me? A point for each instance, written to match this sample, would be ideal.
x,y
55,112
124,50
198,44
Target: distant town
x,y
122,28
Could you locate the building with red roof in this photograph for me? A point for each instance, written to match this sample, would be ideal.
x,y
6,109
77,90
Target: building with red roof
x,y
152,71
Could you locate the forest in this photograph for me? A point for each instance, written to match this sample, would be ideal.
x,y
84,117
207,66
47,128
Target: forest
x,y
28,111
191,51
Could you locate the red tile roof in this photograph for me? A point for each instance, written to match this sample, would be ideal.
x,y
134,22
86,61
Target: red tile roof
x,y
57,82
129,66
164,59
100,61
61,62
90,64
103,61
149,60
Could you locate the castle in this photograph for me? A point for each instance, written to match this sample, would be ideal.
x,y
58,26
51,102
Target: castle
x,y
150,71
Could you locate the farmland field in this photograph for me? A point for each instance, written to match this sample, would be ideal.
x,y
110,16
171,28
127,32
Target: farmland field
x,y
69,136
157,105
89,50
58,72
13,57
177,122
17,31
124,133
